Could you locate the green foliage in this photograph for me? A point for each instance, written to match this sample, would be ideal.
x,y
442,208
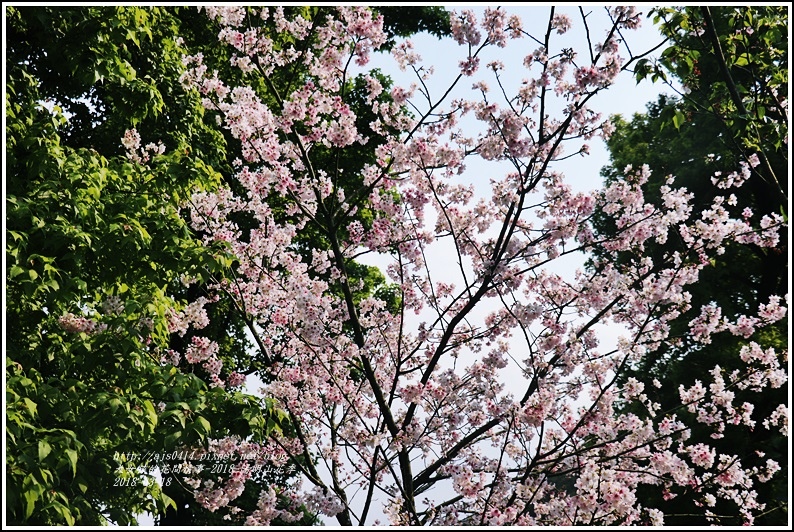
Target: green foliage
x,y
84,226
404,21
733,61
109,69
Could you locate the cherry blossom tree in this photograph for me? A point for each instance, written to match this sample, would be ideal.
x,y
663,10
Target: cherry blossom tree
x,y
489,395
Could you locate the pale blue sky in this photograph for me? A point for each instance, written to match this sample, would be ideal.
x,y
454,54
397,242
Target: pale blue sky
x,y
626,97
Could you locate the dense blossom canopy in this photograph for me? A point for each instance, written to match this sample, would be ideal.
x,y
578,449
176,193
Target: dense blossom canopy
x,y
413,408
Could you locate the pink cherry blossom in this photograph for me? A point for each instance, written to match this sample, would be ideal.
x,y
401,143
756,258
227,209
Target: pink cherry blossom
x,y
489,396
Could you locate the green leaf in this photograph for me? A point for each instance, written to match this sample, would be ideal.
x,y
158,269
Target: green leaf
x,y
272,426
30,405
172,438
178,414
64,512
678,119
44,450
71,455
30,502
167,501
16,270
151,413
115,404
204,425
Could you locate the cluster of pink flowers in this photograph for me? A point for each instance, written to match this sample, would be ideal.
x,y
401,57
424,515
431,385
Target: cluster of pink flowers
x,y
200,349
626,16
464,28
494,22
193,315
561,22
79,324
735,179
132,143
112,306
710,321
203,350
217,488
170,356
235,379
